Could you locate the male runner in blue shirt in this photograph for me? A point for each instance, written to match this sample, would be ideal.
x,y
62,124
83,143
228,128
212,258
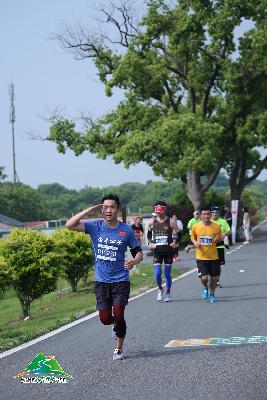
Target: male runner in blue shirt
x,y
110,238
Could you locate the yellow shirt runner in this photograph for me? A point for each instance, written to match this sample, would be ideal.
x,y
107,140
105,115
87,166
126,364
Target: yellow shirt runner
x,y
204,234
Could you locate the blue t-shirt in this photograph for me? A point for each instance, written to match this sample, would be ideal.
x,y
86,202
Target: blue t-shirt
x,y
110,245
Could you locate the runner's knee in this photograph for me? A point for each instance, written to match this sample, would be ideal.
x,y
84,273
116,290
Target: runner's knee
x,y
119,321
105,316
205,279
118,312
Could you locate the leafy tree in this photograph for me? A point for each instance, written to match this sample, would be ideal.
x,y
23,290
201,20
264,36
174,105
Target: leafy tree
x,y
5,280
32,264
54,189
246,109
252,198
172,66
76,249
221,182
2,174
259,191
214,198
22,202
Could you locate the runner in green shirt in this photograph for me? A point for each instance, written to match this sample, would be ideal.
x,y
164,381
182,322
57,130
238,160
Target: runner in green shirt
x,y
191,223
226,231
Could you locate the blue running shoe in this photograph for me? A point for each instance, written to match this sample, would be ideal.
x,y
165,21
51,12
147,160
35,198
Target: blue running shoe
x,y
212,298
205,294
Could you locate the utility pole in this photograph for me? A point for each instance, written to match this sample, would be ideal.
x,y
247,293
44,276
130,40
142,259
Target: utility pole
x,y
12,121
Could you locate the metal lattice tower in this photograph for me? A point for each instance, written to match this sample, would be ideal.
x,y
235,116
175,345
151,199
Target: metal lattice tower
x,y
12,118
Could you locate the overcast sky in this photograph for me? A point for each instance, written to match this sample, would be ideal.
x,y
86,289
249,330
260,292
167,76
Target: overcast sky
x,y
45,78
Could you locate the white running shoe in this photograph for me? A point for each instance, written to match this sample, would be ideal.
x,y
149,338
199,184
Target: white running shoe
x,y
118,355
160,295
168,297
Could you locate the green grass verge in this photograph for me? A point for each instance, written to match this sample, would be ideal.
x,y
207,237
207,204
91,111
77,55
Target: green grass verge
x,y
57,308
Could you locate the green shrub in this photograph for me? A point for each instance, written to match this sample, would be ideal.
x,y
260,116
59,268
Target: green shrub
x,y
76,249
33,265
5,280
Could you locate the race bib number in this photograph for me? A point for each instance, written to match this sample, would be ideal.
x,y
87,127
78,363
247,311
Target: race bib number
x,y
107,253
161,240
205,240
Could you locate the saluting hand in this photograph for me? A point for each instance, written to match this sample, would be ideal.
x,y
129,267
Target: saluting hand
x,y
93,209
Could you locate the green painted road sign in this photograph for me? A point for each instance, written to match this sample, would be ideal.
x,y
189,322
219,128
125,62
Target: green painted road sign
x,y
217,341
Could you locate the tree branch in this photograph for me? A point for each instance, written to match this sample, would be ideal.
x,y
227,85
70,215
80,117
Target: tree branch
x,y
261,166
170,94
193,100
122,28
213,78
211,178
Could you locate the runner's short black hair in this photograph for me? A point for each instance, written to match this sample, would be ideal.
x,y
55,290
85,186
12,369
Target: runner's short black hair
x,y
205,208
160,203
111,196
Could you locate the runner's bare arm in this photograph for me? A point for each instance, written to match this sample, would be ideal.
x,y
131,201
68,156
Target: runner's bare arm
x,y
174,226
151,245
150,225
74,223
193,239
130,263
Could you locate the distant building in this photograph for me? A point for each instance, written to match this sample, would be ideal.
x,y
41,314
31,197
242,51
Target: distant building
x,y
7,223
52,224
46,227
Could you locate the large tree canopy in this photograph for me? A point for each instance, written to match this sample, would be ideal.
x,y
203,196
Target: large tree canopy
x,y
174,67
246,110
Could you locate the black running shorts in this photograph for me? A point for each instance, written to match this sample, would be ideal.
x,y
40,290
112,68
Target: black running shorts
x,y
208,267
166,257
111,294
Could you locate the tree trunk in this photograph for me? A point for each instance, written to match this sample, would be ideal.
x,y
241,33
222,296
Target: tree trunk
x,y
25,304
84,280
237,179
237,185
74,284
194,189
236,192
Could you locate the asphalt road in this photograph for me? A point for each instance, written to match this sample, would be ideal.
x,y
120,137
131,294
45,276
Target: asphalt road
x,y
151,371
